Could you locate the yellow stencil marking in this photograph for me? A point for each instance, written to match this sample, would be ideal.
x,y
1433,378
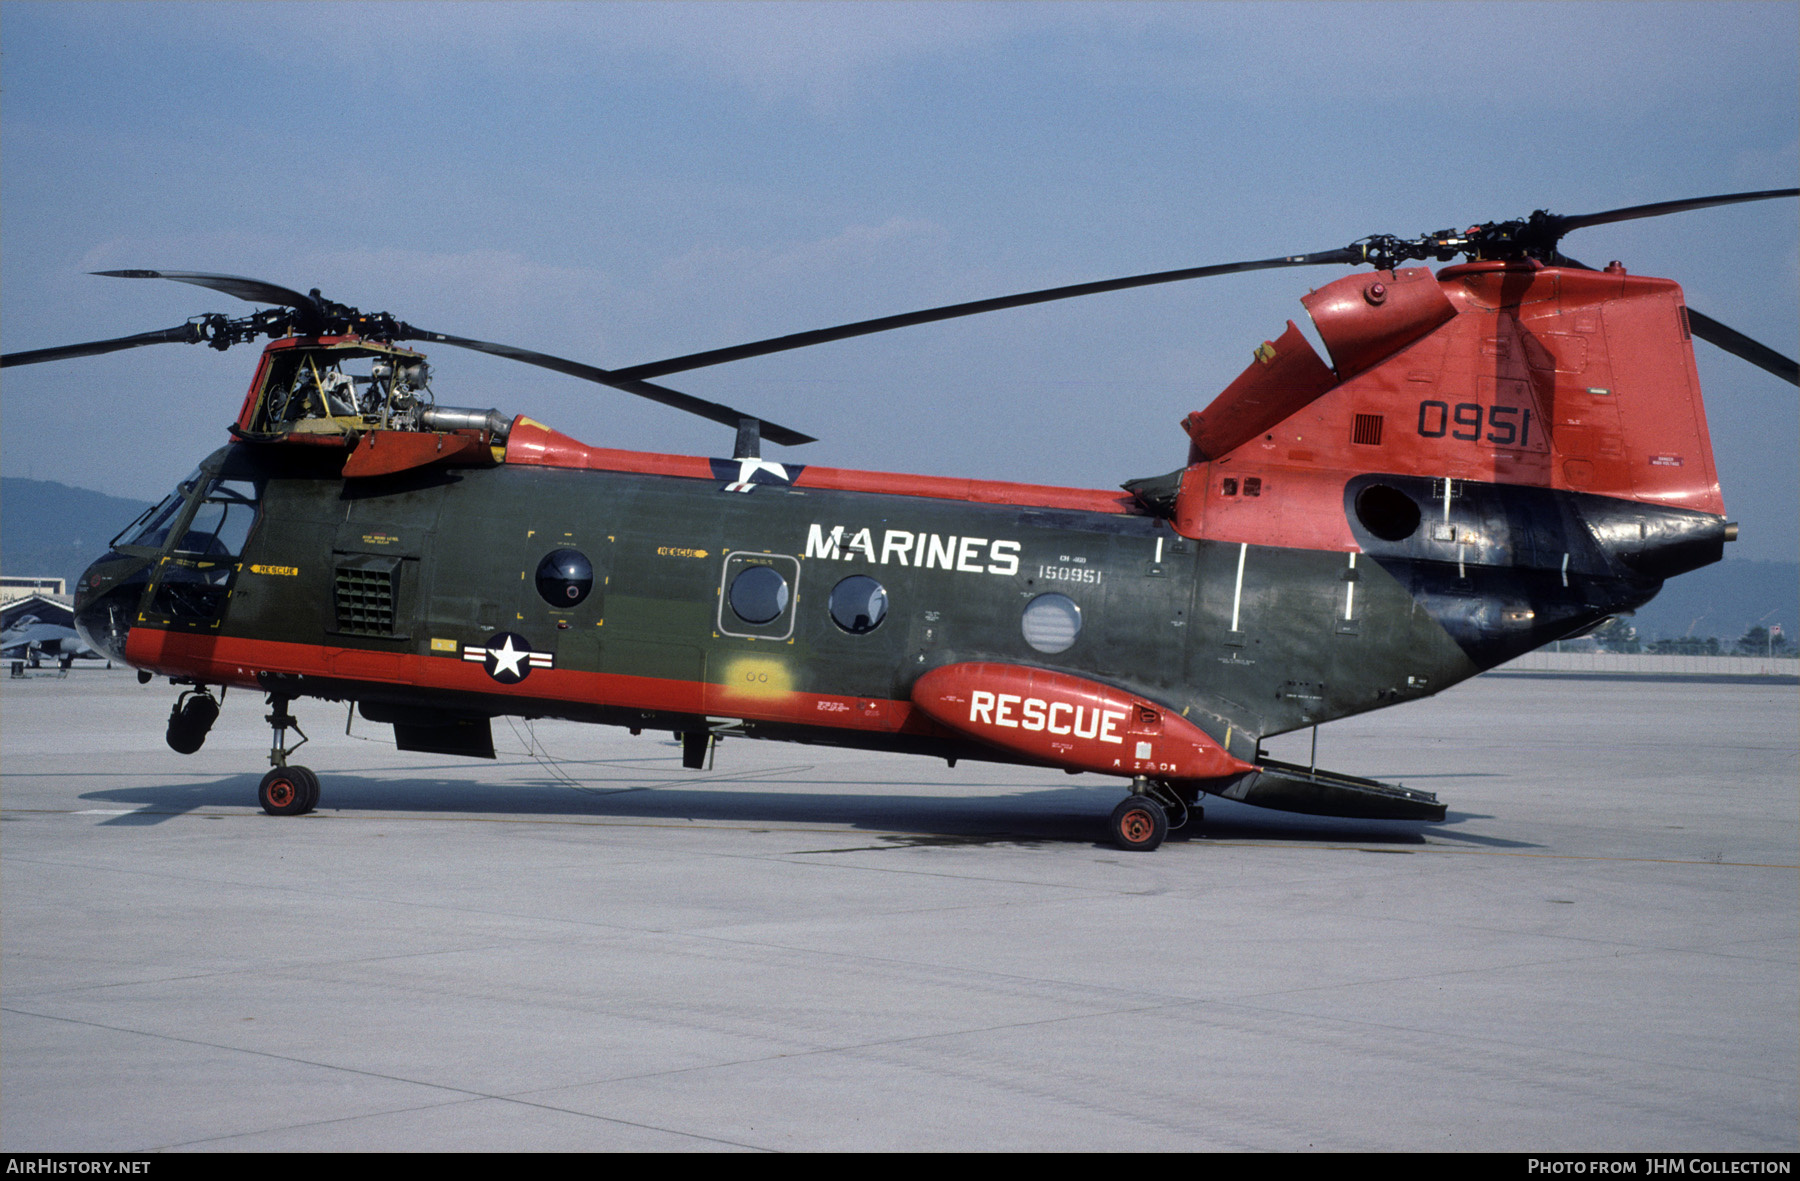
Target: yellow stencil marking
x,y
756,676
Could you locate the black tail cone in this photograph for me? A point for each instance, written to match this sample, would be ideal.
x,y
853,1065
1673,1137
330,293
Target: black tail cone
x,y
1661,543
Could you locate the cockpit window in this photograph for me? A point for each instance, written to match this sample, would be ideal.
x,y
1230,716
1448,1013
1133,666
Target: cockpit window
x,y
152,529
221,525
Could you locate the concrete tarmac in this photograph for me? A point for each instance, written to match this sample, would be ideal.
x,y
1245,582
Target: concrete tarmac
x,y
585,947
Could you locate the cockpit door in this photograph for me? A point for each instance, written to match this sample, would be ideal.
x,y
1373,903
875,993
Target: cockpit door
x,y
196,572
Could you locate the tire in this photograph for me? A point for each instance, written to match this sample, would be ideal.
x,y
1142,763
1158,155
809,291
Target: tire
x,y
287,791
311,799
1139,824
190,721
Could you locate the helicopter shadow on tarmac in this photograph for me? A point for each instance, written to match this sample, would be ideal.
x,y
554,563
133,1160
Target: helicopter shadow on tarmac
x,y
640,791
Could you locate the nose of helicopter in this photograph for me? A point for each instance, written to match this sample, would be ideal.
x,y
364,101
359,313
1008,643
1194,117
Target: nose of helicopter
x,y
106,601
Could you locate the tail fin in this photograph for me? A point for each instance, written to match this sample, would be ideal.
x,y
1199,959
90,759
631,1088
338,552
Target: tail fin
x,y
1503,372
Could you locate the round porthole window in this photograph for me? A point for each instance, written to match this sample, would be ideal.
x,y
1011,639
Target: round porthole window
x,y
1051,623
758,594
564,577
858,604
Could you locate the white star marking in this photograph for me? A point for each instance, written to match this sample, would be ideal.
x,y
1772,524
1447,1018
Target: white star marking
x,y
749,467
508,658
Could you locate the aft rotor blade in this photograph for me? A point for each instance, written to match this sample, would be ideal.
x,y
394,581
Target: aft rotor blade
x,y
1739,345
801,340
1564,225
249,290
713,411
183,334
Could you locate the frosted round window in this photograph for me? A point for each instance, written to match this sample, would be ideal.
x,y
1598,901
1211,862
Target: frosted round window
x,y
1051,623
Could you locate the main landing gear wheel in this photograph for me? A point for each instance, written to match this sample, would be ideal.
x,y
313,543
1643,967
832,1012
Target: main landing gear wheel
x,y
1139,824
288,791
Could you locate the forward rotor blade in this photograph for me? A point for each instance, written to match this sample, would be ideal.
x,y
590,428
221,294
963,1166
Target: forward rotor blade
x,y
1633,212
1739,345
713,411
249,290
184,334
801,340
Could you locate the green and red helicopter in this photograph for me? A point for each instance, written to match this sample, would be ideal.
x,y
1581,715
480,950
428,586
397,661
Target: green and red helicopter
x,y
1502,454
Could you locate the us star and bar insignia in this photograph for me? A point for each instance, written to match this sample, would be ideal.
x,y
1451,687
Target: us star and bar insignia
x,y
508,657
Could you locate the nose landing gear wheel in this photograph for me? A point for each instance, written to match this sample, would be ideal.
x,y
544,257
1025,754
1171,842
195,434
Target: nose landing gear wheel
x,y
1139,824
312,788
288,791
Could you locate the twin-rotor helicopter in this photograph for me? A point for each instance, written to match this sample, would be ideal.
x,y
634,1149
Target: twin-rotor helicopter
x,y
1504,453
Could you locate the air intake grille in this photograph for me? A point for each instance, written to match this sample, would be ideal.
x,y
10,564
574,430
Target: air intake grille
x,y
365,601
1367,430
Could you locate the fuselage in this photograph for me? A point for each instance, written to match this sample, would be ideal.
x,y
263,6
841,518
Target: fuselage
x,y
1500,455
396,591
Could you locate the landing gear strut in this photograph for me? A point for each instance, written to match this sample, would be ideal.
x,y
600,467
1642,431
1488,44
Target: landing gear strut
x,y
1142,819
285,790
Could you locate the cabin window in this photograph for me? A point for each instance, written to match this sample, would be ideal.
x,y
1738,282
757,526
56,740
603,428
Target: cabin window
x,y
1229,486
1051,623
858,604
564,577
1252,485
759,594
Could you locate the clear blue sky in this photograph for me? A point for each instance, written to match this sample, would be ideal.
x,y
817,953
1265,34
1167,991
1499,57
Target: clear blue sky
x,y
619,183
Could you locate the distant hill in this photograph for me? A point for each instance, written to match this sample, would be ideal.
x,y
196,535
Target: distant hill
x,y
1724,600
52,529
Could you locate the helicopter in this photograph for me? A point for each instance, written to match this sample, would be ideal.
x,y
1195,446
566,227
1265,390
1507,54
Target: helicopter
x,y
1506,452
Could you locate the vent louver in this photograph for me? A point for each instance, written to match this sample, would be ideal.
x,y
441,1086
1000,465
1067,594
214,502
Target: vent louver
x,y
365,601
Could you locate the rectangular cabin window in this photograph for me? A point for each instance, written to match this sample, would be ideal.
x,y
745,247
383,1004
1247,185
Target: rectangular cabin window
x,y
1229,487
1252,485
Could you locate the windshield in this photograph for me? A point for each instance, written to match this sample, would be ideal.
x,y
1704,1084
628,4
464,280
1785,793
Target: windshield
x,y
152,528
